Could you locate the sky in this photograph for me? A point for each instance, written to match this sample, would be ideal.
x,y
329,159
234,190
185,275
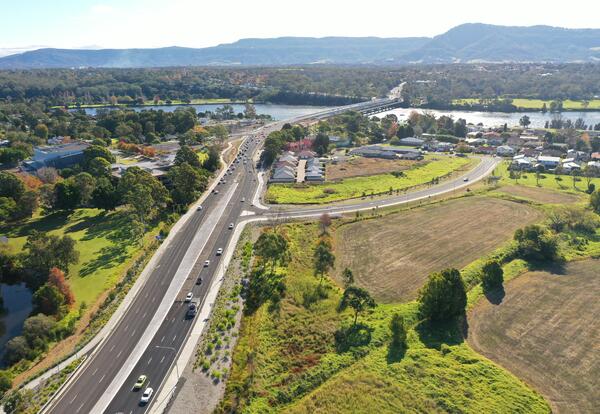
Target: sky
x,y
28,24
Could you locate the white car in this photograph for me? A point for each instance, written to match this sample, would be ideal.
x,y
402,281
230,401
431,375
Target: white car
x,y
199,208
219,251
206,263
189,297
466,179
146,395
230,226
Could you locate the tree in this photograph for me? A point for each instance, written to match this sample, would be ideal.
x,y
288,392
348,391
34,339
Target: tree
x,y
66,196
48,175
105,195
324,222
46,251
187,155
41,131
8,207
323,258
5,382
534,243
96,151
11,186
398,330
539,170
17,349
187,183
321,143
356,298
272,248
48,300
28,204
144,193
99,167
213,162
492,275
84,185
250,111
347,277
524,121
443,297
38,328
595,201
57,279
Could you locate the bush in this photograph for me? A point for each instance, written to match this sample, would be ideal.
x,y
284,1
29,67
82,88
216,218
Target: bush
x,y
534,243
443,297
5,382
492,275
398,332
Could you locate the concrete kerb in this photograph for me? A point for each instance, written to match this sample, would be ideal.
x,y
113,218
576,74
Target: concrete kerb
x,y
95,343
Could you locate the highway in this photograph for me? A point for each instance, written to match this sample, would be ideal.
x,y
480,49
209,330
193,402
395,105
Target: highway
x,y
153,329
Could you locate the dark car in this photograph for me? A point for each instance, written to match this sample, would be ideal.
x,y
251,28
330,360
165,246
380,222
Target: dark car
x,y
199,281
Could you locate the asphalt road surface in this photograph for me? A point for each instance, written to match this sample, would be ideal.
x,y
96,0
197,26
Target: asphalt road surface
x,y
92,381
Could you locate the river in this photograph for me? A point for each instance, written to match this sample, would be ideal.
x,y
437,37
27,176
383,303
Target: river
x,y
491,119
277,112
17,307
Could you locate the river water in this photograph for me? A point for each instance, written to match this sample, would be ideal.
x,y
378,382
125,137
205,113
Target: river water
x,y
17,306
491,119
277,112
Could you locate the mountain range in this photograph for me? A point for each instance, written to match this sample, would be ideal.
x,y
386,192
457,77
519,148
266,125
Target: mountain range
x,y
467,43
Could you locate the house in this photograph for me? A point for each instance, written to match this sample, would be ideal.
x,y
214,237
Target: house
x,y
548,162
411,141
578,155
283,175
370,152
522,163
306,154
57,156
485,150
411,156
394,149
288,158
303,144
505,151
280,164
570,166
314,163
476,141
595,156
314,174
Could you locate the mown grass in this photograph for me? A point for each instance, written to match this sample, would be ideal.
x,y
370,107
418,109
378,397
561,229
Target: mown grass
x,y
289,362
355,187
547,180
537,104
101,240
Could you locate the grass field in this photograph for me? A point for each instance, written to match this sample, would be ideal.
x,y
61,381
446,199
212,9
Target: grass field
x,y
540,195
392,256
102,242
361,166
547,181
536,104
287,361
358,186
546,330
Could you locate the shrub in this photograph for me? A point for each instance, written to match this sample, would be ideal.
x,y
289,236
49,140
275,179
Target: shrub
x,y
5,382
398,332
492,275
534,243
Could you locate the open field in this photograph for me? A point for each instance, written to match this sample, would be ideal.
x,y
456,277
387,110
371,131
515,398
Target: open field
x,y
356,187
546,330
392,256
536,104
102,241
361,166
287,360
564,183
540,195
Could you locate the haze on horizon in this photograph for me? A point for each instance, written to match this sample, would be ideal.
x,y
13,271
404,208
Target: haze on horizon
x,y
92,24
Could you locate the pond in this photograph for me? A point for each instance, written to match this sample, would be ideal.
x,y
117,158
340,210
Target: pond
x,y
277,112
491,119
17,307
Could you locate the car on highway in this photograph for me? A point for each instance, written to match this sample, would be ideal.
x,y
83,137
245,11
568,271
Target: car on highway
x,y
230,227
140,382
199,281
192,310
206,263
466,179
219,251
243,199
199,208
189,296
146,395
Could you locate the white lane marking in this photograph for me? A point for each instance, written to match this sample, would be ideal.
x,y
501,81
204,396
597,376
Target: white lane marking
x,y
144,315
150,360
73,399
133,333
101,378
80,407
146,295
119,354
111,348
126,327
162,359
174,338
162,339
94,373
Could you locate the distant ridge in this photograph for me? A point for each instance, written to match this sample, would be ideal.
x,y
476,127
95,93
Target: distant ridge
x,y
467,43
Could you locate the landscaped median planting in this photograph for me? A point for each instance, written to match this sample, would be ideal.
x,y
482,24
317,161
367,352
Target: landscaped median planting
x,y
356,187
